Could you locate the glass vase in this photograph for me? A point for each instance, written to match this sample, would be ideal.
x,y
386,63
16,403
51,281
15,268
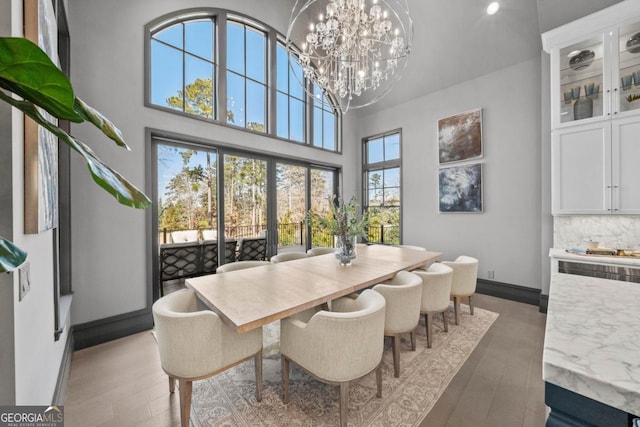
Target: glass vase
x,y
345,248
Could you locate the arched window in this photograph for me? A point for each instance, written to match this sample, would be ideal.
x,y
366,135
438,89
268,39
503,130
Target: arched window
x,y
183,67
215,65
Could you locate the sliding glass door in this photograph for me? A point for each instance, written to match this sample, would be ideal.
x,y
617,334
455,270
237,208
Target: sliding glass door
x,y
291,208
255,204
245,196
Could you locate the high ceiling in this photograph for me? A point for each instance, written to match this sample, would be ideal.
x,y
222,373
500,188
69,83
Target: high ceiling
x,y
455,40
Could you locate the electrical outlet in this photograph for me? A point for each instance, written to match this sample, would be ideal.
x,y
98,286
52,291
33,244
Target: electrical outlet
x,y
490,274
24,279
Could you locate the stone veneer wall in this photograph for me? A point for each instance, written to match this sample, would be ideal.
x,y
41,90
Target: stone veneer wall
x,y
569,231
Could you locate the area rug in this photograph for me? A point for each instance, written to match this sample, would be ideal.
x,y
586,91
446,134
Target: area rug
x,y
228,399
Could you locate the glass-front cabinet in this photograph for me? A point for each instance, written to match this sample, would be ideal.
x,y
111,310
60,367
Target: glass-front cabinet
x,y
595,112
582,82
629,67
597,77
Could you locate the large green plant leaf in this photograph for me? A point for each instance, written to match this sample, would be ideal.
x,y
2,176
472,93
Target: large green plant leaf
x,y
11,256
28,72
110,180
92,115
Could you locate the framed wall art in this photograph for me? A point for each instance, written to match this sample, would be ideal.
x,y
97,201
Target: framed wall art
x,y
460,137
460,188
40,146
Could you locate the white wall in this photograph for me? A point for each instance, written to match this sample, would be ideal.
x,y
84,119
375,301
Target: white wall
x,y
506,237
109,240
36,356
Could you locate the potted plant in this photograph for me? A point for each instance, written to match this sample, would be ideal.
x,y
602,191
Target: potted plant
x,y
343,223
27,72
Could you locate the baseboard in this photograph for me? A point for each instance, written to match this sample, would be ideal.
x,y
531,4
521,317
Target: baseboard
x,y
544,303
508,291
103,330
63,372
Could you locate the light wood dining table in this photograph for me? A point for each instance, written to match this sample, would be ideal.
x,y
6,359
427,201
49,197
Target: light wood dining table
x,y
250,298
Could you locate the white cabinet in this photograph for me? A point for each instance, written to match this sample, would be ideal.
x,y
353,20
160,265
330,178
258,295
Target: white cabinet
x,y
625,165
595,117
581,170
596,168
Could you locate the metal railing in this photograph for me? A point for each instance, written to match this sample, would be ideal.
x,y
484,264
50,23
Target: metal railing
x,y
294,233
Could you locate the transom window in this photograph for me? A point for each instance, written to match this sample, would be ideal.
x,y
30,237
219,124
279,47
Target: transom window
x,y
382,186
246,76
183,67
216,66
290,102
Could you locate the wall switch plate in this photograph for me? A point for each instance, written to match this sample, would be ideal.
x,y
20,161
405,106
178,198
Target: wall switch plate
x,y
24,279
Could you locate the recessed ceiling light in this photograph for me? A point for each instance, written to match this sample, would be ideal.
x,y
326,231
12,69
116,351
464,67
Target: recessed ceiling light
x,y
493,7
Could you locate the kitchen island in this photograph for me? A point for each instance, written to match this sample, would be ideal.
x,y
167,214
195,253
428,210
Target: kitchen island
x,y
591,359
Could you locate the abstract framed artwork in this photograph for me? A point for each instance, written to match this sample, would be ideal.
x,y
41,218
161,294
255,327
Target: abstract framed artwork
x,y
460,137
40,146
460,188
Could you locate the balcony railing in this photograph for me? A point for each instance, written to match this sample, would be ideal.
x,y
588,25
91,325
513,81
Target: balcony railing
x,y
293,234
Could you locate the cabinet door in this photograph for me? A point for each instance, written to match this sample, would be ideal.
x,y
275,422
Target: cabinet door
x,y
581,169
628,72
626,165
582,87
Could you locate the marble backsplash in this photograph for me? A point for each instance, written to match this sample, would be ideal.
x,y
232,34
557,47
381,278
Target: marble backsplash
x,y
570,231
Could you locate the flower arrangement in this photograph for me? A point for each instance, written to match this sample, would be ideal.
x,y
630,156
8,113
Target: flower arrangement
x,y
343,220
344,224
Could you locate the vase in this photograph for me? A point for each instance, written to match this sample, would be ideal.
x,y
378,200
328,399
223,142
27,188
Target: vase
x,y
345,249
583,108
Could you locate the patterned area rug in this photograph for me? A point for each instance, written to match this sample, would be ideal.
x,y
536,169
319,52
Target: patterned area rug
x,y
228,399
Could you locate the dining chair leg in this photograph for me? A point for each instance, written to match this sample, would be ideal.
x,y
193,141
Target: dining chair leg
x,y
456,308
445,320
428,320
395,341
379,379
285,379
185,402
172,384
412,334
344,403
471,304
258,360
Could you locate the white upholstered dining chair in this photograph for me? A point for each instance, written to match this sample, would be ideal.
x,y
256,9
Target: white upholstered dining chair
x,y
338,346
287,256
320,251
465,277
436,292
402,314
194,344
240,265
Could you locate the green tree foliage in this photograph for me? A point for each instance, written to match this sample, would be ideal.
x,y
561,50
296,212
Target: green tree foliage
x,y
197,98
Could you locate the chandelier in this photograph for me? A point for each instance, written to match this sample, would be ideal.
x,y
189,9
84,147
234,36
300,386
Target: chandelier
x,y
352,50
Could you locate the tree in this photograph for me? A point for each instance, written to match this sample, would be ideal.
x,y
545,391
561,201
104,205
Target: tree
x,y
197,98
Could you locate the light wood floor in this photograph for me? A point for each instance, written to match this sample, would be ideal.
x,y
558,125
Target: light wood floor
x,y
120,383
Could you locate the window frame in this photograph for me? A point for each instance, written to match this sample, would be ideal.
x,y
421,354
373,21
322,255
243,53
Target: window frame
x,y
382,166
220,16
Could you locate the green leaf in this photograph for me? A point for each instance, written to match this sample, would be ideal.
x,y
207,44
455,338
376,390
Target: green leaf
x,y
110,180
27,71
92,115
11,256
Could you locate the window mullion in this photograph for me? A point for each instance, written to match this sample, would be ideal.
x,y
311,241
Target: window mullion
x,y
221,49
272,94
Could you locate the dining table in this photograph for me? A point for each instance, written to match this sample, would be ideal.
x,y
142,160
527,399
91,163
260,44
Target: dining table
x,y
250,298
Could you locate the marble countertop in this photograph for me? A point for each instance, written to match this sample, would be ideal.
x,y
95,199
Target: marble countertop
x,y
615,260
592,339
